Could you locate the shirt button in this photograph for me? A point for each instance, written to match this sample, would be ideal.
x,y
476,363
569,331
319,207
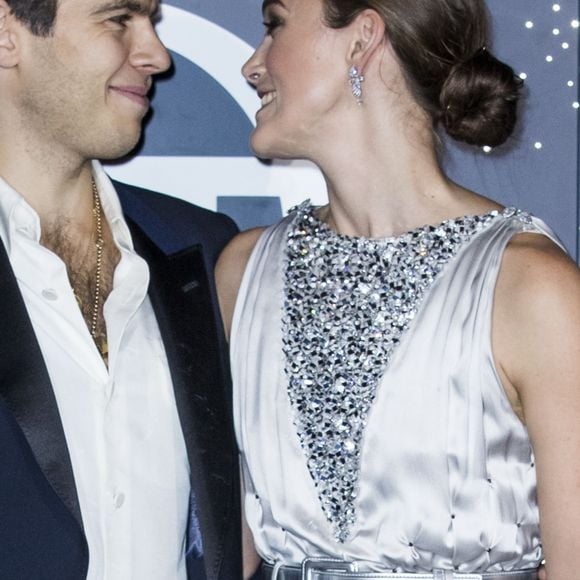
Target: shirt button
x,y
119,499
49,294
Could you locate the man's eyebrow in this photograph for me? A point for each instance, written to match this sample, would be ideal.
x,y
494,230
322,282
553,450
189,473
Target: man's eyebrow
x,y
130,5
267,3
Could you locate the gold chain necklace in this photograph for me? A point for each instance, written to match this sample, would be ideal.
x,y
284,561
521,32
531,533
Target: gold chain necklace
x,y
101,343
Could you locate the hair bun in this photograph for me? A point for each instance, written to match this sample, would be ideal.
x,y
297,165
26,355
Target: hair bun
x,y
479,100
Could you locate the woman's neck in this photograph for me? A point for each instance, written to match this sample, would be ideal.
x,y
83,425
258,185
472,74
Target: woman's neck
x,y
380,186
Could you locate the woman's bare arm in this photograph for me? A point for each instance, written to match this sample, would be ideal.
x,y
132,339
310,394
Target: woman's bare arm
x,y
229,272
249,554
536,339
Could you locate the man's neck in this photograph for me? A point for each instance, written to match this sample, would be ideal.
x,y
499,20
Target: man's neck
x,y
52,179
55,192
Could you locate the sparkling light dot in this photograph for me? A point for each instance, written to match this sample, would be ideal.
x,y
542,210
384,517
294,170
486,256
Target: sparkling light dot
x,y
576,104
523,76
565,46
538,145
556,31
575,23
570,83
486,149
529,24
556,8
549,58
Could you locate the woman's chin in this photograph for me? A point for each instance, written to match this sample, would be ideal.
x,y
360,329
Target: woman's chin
x,y
267,144
262,146
268,150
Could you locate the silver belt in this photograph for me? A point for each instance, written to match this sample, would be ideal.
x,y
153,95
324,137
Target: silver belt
x,y
330,569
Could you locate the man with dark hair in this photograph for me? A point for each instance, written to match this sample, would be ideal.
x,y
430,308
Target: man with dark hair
x,y
37,15
117,457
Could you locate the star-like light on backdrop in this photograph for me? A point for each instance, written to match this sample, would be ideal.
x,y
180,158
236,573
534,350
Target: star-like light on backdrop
x,y
558,30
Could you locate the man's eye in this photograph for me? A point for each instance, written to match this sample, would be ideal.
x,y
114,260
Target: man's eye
x,y
120,19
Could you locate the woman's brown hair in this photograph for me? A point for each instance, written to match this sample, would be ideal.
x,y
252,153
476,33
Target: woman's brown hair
x,y
442,48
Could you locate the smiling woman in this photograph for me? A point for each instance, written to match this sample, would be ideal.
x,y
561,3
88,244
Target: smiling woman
x,y
405,358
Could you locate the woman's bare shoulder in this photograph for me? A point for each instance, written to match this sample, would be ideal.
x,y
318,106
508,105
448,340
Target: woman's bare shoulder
x,y
535,269
239,249
230,269
536,312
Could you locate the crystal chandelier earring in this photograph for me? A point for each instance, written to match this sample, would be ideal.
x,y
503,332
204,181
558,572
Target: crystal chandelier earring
x,y
355,79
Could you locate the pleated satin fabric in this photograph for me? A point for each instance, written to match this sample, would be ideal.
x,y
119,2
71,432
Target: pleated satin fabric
x,y
447,477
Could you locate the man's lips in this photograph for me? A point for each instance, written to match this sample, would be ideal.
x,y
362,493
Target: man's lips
x,y
137,94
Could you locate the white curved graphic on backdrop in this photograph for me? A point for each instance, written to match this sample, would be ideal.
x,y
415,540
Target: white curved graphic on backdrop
x,y
200,180
212,48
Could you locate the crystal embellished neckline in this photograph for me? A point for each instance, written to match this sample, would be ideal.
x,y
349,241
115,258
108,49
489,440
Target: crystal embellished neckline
x,y
307,207
348,302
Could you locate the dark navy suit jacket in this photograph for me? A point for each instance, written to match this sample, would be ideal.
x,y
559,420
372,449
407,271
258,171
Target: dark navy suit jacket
x,y
41,529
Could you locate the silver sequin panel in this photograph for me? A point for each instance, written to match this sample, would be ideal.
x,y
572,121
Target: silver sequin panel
x,y
347,303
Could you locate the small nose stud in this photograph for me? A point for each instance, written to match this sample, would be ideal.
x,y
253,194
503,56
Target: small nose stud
x,y
255,76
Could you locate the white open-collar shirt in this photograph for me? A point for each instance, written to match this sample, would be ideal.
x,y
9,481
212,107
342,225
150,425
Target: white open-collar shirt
x,y
121,424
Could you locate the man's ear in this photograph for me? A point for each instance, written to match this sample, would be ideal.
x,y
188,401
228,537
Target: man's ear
x,y
8,37
369,36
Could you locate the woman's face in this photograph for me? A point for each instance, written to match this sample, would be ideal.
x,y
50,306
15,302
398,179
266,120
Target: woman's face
x,y
300,71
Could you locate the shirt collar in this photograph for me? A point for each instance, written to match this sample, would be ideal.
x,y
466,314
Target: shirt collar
x,y
16,214
112,207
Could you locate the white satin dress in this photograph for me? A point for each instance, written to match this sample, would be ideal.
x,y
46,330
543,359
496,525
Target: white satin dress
x,y
437,471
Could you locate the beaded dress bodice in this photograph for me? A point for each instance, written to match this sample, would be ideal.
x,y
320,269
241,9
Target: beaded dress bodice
x,y
371,422
348,301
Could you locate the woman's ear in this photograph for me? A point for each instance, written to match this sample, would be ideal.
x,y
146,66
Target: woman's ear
x,y
368,37
8,37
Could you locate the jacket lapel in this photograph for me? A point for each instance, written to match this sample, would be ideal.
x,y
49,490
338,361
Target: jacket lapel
x,y
180,296
26,389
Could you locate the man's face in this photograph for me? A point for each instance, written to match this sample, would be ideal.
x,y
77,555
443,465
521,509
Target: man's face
x,y
83,89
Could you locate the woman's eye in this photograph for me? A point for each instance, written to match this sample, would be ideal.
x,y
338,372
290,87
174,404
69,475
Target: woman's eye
x,y
271,24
